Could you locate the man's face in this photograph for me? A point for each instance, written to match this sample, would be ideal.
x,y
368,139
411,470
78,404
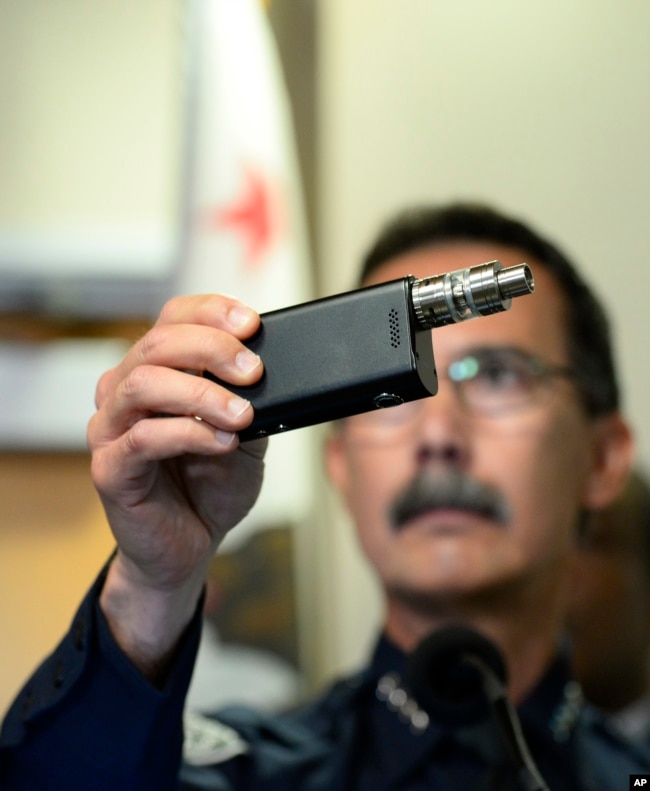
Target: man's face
x,y
537,460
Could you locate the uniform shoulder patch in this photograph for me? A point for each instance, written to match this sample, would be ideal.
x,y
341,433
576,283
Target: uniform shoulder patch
x,y
207,741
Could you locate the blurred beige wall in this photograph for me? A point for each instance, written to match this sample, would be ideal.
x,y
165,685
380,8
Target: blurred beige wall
x,y
90,132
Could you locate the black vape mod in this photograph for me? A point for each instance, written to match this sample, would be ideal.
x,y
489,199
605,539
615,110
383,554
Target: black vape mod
x,y
366,349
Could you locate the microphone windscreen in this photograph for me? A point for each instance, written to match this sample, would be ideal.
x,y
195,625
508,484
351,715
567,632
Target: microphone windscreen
x,y
442,680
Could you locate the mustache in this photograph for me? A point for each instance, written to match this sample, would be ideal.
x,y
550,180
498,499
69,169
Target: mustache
x,y
429,491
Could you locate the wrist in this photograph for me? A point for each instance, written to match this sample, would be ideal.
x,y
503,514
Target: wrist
x,y
147,621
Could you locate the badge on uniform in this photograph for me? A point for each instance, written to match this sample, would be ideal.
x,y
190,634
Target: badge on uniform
x,y
208,741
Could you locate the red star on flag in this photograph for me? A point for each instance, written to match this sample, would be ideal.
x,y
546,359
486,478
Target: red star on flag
x,y
253,215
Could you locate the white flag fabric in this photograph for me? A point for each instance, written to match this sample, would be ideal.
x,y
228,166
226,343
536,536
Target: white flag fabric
x,y
247,228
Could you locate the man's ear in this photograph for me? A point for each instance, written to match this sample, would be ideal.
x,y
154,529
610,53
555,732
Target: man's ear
x,y
612,456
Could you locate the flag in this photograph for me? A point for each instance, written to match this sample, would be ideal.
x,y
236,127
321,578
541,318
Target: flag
x,y
246,222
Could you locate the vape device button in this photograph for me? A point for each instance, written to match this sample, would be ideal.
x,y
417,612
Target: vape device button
x,y
384,400
281,427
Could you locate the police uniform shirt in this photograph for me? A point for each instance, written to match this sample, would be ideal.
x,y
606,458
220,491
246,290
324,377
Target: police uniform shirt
x,y
88,719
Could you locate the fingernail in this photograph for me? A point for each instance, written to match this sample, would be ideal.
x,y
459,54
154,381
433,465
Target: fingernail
x,y
239,316
246,361
237,406
225,438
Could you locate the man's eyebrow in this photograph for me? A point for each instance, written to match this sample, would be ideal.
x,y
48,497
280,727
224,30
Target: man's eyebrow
x,y
491,349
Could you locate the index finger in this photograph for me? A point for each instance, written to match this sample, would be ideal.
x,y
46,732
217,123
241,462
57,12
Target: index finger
x,y
212,310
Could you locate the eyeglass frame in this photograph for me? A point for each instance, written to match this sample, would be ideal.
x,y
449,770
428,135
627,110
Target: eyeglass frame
x,y
540,372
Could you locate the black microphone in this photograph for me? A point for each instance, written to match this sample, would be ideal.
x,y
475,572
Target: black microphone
x,y
452,673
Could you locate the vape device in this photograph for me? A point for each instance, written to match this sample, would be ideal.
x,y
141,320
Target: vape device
x,y
367,349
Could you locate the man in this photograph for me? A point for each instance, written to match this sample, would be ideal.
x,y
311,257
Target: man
x,y
466,505
609,610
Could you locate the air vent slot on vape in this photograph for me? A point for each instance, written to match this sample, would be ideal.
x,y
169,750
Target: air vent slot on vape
x,y
393,328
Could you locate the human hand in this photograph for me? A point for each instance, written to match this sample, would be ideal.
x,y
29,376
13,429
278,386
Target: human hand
x,y
167,463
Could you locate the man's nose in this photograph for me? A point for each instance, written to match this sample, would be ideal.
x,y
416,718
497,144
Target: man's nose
x,y
444,431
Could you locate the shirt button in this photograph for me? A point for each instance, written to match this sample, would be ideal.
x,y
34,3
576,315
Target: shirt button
x,y
79,635
28,699
59,675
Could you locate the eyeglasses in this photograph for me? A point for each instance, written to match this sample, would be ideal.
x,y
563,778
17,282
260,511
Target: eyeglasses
x,y
491,382
501,381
